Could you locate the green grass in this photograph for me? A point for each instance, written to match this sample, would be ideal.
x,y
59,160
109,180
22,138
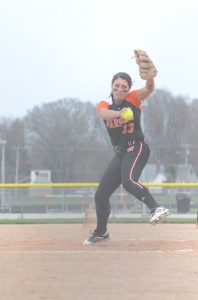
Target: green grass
x,y
146,220
111,220
29,200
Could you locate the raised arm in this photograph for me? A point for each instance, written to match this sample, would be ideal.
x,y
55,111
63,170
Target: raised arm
x,y
146,90
147,72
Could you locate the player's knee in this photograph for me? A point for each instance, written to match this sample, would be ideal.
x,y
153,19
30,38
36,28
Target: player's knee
x,y
99,196
129,186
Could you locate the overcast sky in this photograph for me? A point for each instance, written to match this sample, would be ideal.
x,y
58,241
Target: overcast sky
x,y
52,49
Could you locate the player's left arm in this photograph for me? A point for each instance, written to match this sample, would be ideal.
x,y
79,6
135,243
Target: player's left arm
x,y
147,90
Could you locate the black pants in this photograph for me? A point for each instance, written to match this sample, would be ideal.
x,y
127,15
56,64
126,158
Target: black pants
x,y
125,168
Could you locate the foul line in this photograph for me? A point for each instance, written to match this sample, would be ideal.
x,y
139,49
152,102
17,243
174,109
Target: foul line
x,y
93,251
148,240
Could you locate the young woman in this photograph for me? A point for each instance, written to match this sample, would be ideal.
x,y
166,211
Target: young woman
x,y
131,154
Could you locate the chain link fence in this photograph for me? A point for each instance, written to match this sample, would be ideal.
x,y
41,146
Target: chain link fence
x,y
50,202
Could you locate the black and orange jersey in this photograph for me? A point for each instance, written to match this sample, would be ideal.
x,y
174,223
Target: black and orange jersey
x,y
122,131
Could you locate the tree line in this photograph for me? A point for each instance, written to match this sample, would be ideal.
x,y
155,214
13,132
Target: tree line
x,y
67,137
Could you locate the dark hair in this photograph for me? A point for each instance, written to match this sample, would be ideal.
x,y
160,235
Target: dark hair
x,y
124,76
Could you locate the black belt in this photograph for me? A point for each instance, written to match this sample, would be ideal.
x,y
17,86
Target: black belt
x,y
120,148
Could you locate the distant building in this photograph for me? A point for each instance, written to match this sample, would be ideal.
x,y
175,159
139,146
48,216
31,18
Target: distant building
x,y
156,173
39,177
185,173
151,171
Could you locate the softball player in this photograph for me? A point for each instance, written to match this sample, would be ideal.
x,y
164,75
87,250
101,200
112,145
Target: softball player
x,y
131,154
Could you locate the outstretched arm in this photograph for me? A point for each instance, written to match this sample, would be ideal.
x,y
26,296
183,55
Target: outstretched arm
x,y
125,114
106,114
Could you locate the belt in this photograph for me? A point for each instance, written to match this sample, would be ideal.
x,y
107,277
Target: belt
x,y
120,148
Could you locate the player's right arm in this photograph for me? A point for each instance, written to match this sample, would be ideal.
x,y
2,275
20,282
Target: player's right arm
x,y
107,114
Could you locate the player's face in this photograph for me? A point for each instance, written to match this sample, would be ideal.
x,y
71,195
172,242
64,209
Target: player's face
x,y
120,89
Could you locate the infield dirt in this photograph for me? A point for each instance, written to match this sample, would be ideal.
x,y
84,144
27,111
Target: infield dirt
x,y
141,261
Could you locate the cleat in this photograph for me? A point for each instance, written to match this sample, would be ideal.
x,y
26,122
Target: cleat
x,y
159,215
96,238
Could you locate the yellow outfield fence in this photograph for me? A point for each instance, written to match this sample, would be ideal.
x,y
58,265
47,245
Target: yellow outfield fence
x,y
92,184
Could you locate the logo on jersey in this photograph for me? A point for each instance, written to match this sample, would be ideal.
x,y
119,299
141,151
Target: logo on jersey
x,y
128,127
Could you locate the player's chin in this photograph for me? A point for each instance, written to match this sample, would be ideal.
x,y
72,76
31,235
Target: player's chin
x,y
118,98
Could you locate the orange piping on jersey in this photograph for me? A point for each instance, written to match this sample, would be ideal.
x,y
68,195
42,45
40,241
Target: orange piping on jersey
x,y
133,166
132,98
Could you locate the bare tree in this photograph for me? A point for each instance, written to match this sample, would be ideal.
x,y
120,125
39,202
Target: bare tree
x,y
64,137
166,119
68,137
16,155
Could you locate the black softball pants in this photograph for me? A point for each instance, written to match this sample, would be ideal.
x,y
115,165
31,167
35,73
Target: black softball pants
x,y
125,169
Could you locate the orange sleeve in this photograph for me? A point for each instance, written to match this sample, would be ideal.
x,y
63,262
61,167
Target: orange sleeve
x,y
132,97
102,104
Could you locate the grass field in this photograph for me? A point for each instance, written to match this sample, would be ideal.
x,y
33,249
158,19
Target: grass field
x,y
136,220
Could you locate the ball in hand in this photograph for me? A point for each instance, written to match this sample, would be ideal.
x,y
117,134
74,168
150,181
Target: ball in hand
x,y
127,114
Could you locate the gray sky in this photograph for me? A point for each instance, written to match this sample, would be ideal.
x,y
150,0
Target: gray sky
x,y
51,49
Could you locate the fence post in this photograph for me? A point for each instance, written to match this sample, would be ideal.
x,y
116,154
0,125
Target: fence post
x,y
22,208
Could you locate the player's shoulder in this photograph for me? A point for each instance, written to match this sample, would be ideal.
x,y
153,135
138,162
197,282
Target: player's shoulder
x,y
103,104
132,97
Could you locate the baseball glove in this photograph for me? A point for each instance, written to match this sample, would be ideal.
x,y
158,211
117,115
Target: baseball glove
x,y
147,68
